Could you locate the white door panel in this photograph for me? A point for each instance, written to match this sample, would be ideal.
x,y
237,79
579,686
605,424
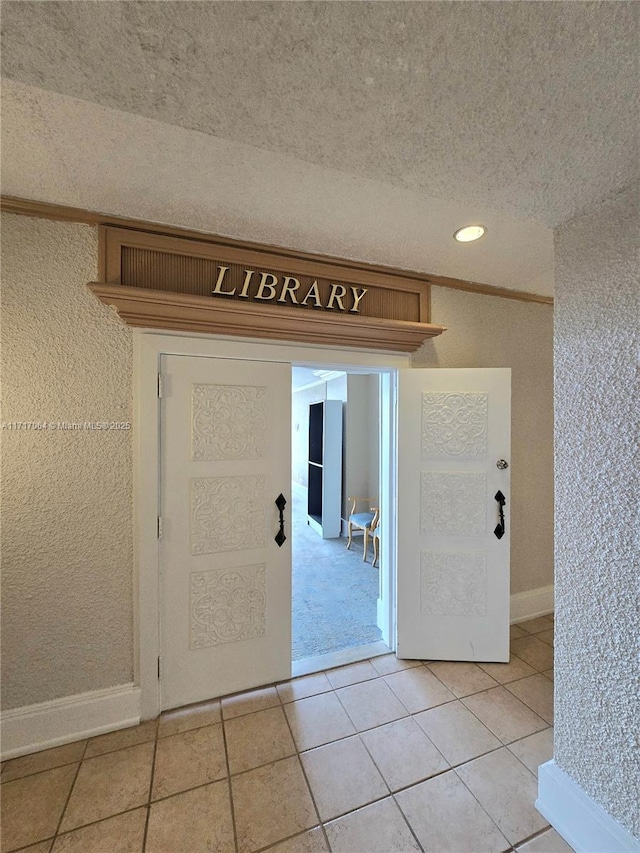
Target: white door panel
x,y
225,584
453,572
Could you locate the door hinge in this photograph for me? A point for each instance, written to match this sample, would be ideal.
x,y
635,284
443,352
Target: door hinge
x,y
159,667
160,384
159,527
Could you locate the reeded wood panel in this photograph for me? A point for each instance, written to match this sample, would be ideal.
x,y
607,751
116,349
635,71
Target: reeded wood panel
x,y
155,270
163,271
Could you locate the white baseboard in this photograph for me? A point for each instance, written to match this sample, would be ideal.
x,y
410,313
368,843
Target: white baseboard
x,y
532,603
37,727
582,823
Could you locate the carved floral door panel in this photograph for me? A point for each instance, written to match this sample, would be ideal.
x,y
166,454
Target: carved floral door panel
x,y
225,620
453,571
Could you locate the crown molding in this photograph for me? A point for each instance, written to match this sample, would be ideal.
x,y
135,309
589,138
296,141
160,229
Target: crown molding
x,y
63,213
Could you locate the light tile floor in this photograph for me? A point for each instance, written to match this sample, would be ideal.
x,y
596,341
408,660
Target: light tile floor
x,y
382,756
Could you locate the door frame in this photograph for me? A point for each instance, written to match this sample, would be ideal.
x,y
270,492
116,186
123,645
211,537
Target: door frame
x,y
148,347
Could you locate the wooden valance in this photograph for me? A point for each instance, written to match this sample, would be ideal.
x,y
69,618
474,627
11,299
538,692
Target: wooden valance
x,y
231,288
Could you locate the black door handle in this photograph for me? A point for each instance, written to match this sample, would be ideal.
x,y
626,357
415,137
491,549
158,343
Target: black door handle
x,y
281,503
500,528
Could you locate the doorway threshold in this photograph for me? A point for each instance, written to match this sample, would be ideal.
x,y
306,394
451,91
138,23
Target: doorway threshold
x,y
307,666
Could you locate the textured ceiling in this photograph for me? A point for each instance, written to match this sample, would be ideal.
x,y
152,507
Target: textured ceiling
x,y
64,150
526,108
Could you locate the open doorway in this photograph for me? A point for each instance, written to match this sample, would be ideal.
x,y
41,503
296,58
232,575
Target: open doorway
x,y
336,590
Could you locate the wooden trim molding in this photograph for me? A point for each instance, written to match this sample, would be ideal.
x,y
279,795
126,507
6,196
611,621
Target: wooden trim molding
x,y
489,290
164,282
45,210
158,309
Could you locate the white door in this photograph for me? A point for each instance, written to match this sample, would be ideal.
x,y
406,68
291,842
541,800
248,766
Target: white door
x,y
453,570
225,588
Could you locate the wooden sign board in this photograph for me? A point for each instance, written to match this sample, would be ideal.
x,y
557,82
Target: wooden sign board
x,y
228,287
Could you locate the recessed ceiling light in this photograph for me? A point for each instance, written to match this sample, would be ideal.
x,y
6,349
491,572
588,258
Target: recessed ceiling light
x,y
469,233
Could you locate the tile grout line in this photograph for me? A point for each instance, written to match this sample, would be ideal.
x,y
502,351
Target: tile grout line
x,y
106,752
105,817
99,820
73,784
503,743
288,838
455,697
526,704
503,746
45,770
29,846
534,835
84,756
533,711
357,809
535,668
521,702
440,705
85,825
161,799
450,689
306,779
446,686
406,819
393,793
302,752
220,699
359,736
518,757
494,822
153,773
229,785
409,717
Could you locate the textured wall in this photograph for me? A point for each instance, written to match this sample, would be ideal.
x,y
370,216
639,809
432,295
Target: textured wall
x,y
67,551
485,331
597,570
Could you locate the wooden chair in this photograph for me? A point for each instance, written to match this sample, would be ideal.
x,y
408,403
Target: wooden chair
x,y
365,521
375,535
